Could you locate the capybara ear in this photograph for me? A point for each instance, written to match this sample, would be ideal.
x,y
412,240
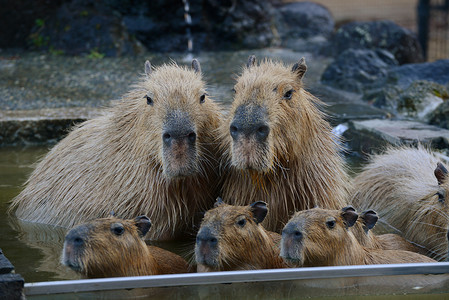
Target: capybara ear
x,y
196,66
440,172
218,202
369,218
143,224
251,61
350,217
259,210
147,68
349,207
300,68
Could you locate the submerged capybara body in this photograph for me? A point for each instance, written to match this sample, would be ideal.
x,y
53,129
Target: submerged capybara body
x,y
408,187
153,152
113,247
321,237
232,238
279,147
362,231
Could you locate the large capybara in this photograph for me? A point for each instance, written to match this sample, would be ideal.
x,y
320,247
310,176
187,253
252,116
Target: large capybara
x,y
113,247
154,152
232,238
321,237
362,231
408,187
278,145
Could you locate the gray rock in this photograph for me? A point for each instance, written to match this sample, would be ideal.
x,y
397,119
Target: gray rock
x,y
85,27
303,25
440,116
404,75
369,136
356,69
376,34
417,100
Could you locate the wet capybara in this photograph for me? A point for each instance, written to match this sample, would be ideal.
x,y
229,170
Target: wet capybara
x,y
113,247
153,152
278,146
232,238
362,231
408,187
321,237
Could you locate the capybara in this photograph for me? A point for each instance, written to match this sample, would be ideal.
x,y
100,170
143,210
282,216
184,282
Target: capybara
x,y
388,241
154,152
232,238
278,147
321,237
408,187
113,247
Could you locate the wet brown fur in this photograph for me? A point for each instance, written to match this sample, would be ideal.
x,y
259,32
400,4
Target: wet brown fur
x,y
322,246
239,248
115,162
108,255
401,186
301,166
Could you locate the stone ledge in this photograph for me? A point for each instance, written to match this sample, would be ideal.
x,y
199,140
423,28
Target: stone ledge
x,y
41,126
5,265
369,136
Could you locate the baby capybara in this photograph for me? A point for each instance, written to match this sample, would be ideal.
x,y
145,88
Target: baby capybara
x,y
321,237
232,238
153,152
278,146
408,187
362,231
112,247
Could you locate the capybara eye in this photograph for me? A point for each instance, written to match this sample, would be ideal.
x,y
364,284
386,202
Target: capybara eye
x,y
149,100
241,222
202,98
441,197
288,94
117,229
330,224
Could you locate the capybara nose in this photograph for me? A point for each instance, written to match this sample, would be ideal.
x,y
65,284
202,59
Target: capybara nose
x,y
260,130
177,127
206,236
293,232
76,236
250,120
169,136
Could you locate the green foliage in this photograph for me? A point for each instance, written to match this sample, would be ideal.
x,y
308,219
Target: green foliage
x,y
38,40
94,54
54,51
40,23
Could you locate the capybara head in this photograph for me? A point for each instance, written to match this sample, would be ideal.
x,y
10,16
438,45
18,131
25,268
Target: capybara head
x,y
429,222
313,237
268,104
107,246
231,237
176,115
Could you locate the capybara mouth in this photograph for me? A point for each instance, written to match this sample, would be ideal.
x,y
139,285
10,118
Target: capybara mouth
x,y
250,155
74,266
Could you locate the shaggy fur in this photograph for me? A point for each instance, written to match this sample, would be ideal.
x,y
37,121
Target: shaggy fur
x,y
241,243
117,162
321,237
299,165
402,187
112,247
